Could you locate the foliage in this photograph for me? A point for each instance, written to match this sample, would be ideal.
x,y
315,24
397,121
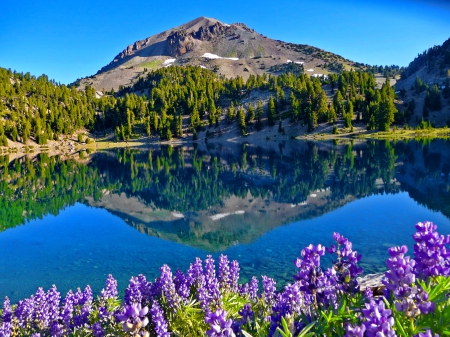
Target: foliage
x,y
208,300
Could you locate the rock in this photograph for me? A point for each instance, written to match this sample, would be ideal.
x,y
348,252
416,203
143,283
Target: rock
x,y
372,281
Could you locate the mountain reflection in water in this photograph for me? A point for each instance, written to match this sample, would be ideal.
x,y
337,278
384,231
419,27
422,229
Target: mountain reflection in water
x,y
216,199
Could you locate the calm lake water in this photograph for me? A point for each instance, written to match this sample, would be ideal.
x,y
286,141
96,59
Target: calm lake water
x,y
126,212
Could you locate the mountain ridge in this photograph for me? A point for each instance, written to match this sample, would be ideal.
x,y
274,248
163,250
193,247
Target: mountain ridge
x,y
228,49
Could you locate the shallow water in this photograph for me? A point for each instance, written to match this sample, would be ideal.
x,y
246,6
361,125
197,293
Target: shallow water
x,y
82,244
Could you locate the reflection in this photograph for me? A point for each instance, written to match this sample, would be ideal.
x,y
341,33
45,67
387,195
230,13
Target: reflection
x,y
213,198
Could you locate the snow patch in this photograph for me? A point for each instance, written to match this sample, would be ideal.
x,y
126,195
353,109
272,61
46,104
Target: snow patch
x,y
223,215
168,62
298,62
288,61
310,70
203,67
177,215
313,195
214,56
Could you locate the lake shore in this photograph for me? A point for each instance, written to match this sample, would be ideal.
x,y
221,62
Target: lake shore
x,y
69,146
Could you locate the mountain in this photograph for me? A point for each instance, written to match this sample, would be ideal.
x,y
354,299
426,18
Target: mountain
x,y
424,87
432,66
229,50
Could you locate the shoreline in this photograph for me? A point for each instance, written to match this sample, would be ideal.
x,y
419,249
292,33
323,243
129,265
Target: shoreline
x,y
71,147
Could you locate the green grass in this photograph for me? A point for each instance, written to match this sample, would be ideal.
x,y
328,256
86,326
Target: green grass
x,y
152,64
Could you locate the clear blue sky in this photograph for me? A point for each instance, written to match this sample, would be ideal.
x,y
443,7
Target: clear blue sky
x,y
71,39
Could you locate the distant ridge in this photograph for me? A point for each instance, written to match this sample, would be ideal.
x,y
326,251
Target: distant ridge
x,y
233,50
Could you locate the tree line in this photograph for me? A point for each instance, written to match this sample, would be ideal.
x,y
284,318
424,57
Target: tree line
x,y
171,101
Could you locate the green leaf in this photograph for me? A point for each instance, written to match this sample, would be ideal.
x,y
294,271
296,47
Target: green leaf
x,y
304,332
246,334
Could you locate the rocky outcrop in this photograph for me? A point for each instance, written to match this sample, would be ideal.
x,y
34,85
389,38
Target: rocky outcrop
x,y
372,281
179,43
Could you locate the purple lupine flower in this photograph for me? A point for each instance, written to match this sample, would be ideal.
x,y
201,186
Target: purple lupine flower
x,y
133,318
355,331
234,276
24,312
159,322
212,284
83,302
400,278
67,309
290,301
253,289
202,294
56,329
269,289
167,287
97,330
6,329
6,326
219,325
318,288
110,291
139,291
7,313
378,320
181,285
194,274
428,333
430,252
346,266
368,294
224,273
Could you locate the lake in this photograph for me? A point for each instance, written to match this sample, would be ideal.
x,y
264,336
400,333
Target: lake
x,y
71,221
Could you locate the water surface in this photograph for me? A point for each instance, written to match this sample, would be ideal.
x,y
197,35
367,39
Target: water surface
x,y
129,211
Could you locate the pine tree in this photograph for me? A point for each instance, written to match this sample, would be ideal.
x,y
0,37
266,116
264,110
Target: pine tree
x,y
271,112
259,114
250,113
241,120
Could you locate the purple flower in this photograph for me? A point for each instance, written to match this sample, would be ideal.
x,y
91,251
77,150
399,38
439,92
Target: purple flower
x,y
97,330
219,325
355,331
83,302
194,274
167,287
181,285
269,290
430,252
159,322
7,313
234,276
409,298
318,288
428,333
288,302
346,265
224,273
133,317
251,289
212,284
111,288
139,291
378,320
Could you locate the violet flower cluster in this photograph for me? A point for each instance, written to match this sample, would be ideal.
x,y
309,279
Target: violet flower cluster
x,y
221,306
431,253
400,283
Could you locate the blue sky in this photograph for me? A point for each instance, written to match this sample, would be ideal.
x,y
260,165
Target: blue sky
x,y
71,39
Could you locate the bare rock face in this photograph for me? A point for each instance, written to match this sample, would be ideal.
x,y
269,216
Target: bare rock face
x,y
179,43
209,33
